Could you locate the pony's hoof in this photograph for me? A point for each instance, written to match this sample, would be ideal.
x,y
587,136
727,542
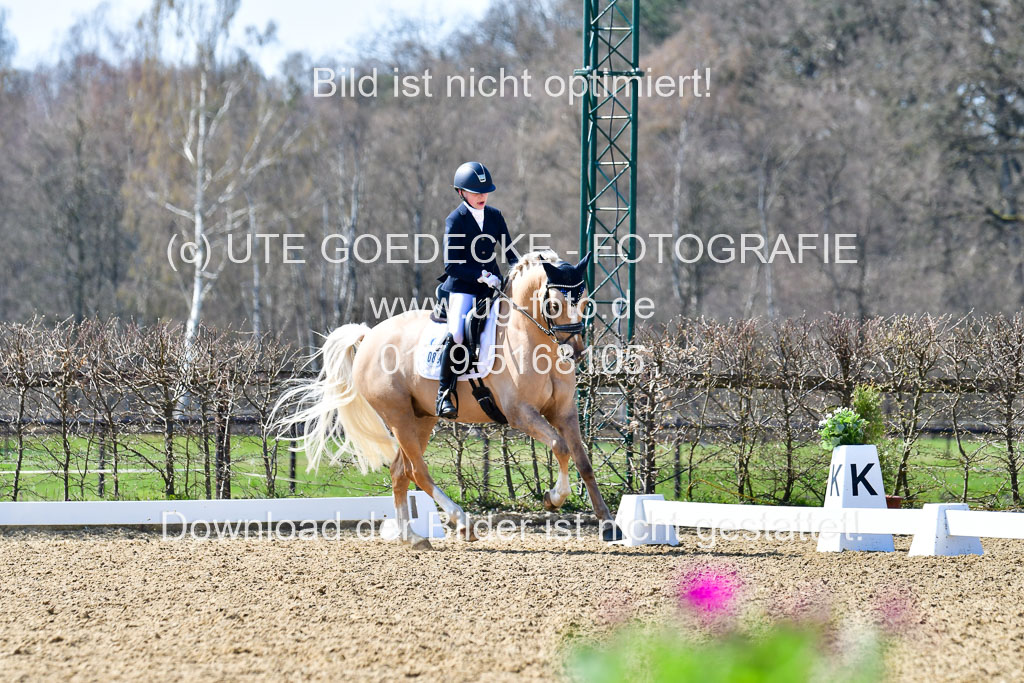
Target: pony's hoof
x,y
421,544
548,504
416,542
466,534
611,533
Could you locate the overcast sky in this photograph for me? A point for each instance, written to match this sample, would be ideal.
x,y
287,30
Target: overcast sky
x,y
320,27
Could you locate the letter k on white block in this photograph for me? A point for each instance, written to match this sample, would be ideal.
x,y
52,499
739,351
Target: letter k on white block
x,y
854,481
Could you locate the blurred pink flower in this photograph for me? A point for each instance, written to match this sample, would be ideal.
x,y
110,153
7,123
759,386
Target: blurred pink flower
x,y
708,591
896,612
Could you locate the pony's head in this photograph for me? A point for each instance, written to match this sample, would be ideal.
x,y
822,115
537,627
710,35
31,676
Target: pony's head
x,y
555,293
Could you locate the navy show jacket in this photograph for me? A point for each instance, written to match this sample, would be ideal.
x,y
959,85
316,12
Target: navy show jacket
x,y
468,250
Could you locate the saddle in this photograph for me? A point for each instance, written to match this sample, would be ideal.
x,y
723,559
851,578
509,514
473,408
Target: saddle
x,y
473,327
473,333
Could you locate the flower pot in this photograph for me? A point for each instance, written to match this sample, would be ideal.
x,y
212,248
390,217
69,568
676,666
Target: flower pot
x,y
894,502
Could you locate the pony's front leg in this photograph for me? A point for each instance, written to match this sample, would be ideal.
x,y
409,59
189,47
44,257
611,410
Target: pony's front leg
x,y
555,497
527,419
400,491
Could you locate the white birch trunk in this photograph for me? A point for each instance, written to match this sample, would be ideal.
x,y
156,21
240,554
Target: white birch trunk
x,y
199,232
257,306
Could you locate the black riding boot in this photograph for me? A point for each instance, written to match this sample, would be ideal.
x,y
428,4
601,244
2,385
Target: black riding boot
x,y
445,407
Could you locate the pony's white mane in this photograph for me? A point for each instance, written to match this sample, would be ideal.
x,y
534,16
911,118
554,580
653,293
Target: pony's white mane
x,y
531,259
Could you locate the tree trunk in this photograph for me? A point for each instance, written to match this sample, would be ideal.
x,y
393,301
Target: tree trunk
x,y
65,410
349,286
222,431
508,465
765,197
1011,453
257,312
102,464
195,312
487,467
204,433
269,467
20,434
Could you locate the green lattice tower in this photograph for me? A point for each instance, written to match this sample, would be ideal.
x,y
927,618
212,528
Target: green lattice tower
x,y
611,50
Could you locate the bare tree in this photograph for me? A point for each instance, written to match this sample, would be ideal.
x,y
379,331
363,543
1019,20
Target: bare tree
x,y
21,366
793,402
264,366
909,353
220,165
61,396
960,364
159,376
1001,369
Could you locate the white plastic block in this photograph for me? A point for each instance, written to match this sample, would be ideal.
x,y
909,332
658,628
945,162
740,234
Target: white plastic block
x,y
855,481
424,518
632,520
934,537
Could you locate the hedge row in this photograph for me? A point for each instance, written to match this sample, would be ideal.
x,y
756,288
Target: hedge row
x,y
699,409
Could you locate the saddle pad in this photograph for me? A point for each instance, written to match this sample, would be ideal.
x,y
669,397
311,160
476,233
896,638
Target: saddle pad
x,y
427,356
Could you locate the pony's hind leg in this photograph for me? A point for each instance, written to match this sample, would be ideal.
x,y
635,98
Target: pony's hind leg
x,y
457,517
413,440
400,490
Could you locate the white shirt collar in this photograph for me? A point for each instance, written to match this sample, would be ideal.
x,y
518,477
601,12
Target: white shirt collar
x,y
478,214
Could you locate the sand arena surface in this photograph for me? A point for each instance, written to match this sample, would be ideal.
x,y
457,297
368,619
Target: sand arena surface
x,y
127,604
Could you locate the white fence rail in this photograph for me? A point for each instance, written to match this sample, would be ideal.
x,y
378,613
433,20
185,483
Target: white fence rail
x,y
167,513
772,518
984,524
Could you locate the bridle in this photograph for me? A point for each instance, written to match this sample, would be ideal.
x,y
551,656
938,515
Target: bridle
x,y
568,292
552,330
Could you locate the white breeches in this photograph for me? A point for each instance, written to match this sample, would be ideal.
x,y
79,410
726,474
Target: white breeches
x,y
459,305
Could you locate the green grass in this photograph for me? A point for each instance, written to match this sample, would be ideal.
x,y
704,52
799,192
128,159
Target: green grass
x,y
934,473
785,652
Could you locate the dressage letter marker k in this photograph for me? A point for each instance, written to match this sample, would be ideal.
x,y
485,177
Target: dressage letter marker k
x,y
860,478
854,485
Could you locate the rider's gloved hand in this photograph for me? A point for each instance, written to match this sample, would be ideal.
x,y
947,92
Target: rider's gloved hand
x,y
489,279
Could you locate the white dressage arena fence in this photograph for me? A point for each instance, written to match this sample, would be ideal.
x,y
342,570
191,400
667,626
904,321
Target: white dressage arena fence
x,y
425,519
854,516
937,528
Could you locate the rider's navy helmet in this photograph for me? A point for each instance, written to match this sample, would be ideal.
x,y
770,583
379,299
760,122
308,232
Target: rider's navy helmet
x,y
473,176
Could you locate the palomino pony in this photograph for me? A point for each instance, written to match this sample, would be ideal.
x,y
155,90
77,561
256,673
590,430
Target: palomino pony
x,y
369,392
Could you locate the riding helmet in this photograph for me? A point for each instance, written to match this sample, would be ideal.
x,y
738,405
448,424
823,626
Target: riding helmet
x,y
473,176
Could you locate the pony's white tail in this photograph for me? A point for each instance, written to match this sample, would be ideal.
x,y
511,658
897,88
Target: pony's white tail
x,y
334,409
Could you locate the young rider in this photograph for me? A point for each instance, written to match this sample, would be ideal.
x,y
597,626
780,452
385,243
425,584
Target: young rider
x,y
473,234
